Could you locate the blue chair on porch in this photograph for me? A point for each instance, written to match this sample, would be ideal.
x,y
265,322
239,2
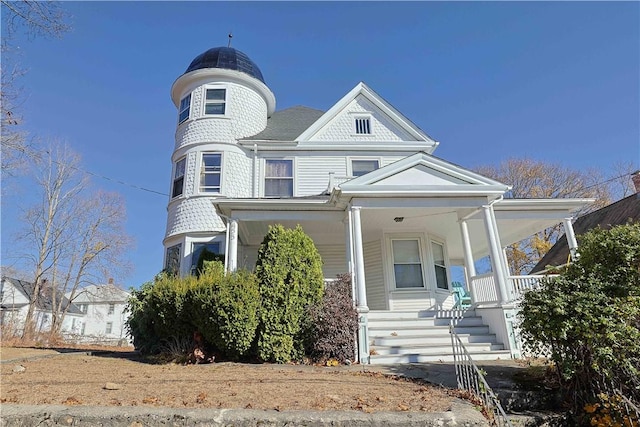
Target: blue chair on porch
x,y
462,297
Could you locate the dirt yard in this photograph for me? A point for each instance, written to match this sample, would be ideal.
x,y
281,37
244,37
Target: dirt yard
x,y
123,379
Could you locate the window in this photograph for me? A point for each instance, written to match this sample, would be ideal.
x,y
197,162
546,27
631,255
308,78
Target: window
x,y
210,173
108,328
82,329
407,267
203,252
363,125
185,107
112,308
215,101
178,177
278,178
83,308
361,167
439,265
172,262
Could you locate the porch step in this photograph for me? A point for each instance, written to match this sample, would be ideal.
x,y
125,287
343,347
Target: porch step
x,y
396,359
422,336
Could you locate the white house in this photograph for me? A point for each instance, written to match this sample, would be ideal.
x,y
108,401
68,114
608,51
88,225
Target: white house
x,y
104,320
363,181
15,296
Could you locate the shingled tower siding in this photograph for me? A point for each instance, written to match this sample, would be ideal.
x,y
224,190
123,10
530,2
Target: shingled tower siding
x,y
241,112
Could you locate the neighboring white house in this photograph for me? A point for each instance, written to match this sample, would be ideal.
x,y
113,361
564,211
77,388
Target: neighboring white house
x,y
363,182
15,296
103,307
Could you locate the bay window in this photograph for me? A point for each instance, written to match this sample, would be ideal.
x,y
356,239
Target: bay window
x,y
178,178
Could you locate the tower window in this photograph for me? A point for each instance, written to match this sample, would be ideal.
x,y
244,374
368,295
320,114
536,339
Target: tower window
x,y
185,107
215,101
178,178
172,260
210,172
361,167
204,252
278,178
363,125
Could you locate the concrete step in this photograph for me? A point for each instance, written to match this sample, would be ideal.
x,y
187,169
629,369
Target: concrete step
x,y
395,359
384,331
423,314
443,348
400,322
430,339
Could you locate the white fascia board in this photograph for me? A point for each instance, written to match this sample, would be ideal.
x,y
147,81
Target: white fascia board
x,y
419,202
225,207
392,146
374,98
426,190
568,205
287,215
428,161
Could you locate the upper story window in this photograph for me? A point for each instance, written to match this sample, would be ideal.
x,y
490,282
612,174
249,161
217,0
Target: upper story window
x,y
178,178
361,167
83,307
172,260
109,328
437,249
215,101
111,309
278,178
363,125
407,263
210,172
185,107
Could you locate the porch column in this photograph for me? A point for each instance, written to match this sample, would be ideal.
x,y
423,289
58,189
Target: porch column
x,y
469,266
571,239
361,301
495,254
348,229
232,256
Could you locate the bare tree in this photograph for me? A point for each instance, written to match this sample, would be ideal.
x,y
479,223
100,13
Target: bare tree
x,y
35,19
536,179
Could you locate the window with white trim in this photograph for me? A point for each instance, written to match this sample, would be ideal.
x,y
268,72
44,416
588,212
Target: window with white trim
x,y
407,263
210,172
109,328
278,178
184,109
439,265
363,125
111,309
215,101
361,167
204,252
178,178
172,260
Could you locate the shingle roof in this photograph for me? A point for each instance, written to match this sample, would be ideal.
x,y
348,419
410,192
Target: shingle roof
x,y
288,124
45,301
618,213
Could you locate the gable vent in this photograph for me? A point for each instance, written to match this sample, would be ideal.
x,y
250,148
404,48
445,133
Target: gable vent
x,y
363,126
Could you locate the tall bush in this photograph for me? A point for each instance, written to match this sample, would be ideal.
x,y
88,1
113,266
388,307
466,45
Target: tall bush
x,y
289,271
334,323
224,308
589,319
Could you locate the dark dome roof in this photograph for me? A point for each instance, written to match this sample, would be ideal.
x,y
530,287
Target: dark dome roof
x,y
228,58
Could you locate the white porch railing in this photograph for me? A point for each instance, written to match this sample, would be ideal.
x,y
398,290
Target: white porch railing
x,y
483,287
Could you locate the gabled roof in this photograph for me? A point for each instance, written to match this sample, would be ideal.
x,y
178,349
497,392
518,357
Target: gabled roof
x,y
618,213
108,293
286,125
422,172
45,301
362,89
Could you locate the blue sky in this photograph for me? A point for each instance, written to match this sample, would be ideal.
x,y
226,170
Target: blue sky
x,y
555,81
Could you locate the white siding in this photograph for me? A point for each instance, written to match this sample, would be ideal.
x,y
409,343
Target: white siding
x,y
411,300
373,276
387,160
335,260
313,173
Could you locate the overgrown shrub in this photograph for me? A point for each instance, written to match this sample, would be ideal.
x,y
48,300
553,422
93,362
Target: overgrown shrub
x,y
589,319
225,309
289,271
334,323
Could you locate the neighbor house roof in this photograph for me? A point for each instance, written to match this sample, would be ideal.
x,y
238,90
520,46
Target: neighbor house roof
x,y
288,124
45,301
618,213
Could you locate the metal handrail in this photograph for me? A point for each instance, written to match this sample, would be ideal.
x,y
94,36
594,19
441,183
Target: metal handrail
x,y
470,378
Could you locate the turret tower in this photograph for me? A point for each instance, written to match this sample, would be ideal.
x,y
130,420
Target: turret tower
x,y
220,99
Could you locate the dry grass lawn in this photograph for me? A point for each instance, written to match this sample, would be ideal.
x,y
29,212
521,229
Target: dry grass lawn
x,y
52,377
